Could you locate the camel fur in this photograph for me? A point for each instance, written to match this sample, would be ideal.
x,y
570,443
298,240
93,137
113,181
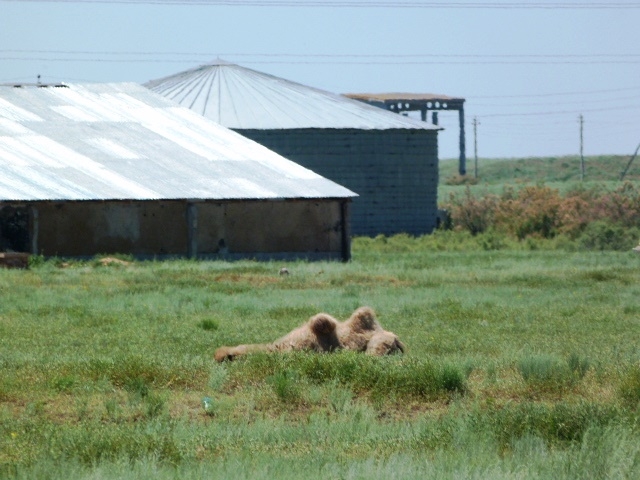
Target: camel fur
x,y
322,333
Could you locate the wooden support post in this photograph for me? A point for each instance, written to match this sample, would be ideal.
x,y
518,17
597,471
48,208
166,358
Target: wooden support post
x,y
192,230
345,218
35,229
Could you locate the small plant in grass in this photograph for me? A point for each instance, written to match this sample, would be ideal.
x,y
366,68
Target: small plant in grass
x,y
208,324
340,398
218,377
545,371
112,408
36,261
629,389
286,386
578,365
138,387
155,405
65,383
491,373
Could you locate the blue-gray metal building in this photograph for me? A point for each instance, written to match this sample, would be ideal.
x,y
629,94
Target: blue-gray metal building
x,y
389,160
116,168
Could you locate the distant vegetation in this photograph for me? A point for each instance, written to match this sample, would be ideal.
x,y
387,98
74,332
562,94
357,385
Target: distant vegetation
x,y
603,168
544,198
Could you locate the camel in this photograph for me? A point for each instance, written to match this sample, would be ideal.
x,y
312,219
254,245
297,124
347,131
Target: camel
x,y
322,333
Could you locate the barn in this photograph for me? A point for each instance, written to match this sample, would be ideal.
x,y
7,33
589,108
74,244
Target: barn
x,y
114,168
391,161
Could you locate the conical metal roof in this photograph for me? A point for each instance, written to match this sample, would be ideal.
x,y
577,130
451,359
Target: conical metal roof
x,y
241,98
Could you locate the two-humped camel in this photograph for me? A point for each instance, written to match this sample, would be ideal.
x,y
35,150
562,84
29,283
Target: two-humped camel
x,y
322,333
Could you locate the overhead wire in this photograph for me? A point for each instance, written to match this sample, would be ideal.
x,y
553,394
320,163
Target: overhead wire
x,y
528,5
199,60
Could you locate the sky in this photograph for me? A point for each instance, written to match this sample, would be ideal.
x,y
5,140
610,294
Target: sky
x,y
528,70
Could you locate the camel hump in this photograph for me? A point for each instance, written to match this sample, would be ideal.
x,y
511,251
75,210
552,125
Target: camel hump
x,y
363,319
322,324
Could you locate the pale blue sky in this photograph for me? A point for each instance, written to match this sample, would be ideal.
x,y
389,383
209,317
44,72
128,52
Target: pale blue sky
x,y
526,72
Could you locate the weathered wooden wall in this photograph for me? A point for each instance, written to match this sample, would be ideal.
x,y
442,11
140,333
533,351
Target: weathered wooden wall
x,y
313,229
394,172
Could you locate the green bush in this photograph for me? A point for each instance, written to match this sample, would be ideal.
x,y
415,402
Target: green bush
x,y
601,235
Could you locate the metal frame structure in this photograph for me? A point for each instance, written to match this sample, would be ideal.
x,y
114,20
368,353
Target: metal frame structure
x,y
424,103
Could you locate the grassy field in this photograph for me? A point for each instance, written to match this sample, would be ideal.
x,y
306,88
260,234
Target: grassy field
x,y
520,364
562,173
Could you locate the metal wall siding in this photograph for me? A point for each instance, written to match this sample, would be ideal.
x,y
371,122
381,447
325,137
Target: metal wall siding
x,y
395,172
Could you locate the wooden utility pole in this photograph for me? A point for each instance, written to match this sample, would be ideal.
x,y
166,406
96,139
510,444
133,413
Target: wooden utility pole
x,y
581,119
475,145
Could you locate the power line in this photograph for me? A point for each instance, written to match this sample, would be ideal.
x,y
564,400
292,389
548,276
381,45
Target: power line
x,y
330,55
536,95
561,112
335,62
573,102
368,4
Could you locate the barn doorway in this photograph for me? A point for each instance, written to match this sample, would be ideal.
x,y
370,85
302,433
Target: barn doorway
x,y
14,229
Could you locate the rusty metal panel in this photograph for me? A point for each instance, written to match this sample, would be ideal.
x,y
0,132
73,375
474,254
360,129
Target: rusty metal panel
x,y
308,228
241,98
122,141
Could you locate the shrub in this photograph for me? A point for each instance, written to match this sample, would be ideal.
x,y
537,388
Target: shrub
x,y
530,211
602,235
471,213
601,220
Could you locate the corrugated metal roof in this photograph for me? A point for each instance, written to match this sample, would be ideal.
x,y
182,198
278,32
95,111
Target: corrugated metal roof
x,y
122,141
241,98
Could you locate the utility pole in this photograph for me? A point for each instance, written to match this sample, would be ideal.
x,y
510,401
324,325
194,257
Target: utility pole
x,y
581,119
475,145
624,172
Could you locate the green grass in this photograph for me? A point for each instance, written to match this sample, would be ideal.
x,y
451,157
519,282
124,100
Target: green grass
x,y
520,363
561,173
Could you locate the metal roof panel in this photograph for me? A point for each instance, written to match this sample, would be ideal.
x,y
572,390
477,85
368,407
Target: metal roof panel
x,y
122,141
